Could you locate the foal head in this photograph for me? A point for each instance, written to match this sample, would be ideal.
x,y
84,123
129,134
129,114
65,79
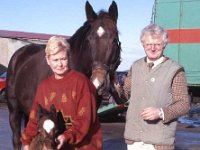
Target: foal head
x,y
47,127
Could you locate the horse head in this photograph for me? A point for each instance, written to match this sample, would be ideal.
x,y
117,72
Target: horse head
x,y
100,40
104,45
47,128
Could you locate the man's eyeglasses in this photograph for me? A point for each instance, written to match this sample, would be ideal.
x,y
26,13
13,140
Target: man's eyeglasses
x,y
153,45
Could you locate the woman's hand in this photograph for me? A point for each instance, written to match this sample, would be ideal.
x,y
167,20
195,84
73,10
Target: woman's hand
x,y
26,147
61,140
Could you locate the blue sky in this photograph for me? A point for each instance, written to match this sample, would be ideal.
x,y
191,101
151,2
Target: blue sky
x,y
64,17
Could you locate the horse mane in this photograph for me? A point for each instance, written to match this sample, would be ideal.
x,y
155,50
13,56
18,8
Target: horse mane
x,y
103,17
78,36
103,14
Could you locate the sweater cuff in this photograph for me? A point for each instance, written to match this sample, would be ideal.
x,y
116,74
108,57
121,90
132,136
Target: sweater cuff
x,y
25,139
25,142
69,138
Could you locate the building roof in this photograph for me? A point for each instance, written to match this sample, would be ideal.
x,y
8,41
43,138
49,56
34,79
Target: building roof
x,y
26,35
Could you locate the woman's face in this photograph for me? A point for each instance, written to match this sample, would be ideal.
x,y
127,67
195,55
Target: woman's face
x,y
58,63
153,46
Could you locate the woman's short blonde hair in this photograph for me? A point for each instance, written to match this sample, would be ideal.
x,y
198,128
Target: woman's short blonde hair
x,y
56,44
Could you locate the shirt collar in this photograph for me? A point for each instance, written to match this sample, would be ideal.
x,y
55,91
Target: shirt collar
x,y
156,62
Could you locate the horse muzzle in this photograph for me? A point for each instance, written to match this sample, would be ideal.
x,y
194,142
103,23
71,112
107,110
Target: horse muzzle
x,y
101,79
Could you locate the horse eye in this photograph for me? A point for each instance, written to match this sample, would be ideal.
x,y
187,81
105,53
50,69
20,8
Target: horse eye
x,y
115,40
56,131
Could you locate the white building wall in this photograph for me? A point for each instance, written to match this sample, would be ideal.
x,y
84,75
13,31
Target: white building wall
x,y
9,46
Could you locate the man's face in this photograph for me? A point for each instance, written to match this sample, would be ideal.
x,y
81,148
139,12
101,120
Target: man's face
x,y
58,63
153,46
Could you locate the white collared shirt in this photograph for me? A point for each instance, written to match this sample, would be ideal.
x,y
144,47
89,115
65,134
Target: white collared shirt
x,y
158,61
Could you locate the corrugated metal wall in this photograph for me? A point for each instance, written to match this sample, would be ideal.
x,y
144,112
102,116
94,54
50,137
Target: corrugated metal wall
x,y
7,48
182,19
9,45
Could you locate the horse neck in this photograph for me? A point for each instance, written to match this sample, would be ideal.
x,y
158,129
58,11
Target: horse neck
x,y
77,38
79,52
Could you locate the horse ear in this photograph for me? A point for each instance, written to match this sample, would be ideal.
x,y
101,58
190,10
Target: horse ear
x,y
53,109
113,11
90,14
39,111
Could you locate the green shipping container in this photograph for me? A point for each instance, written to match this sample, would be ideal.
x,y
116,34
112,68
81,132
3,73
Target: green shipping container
x,y
182,20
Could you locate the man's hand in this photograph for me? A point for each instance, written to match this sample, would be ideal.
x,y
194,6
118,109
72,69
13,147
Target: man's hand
x,y
61,140
150,113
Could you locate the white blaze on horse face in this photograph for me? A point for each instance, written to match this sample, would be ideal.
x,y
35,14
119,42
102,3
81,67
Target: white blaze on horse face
x,y
48,125
96,83
100,31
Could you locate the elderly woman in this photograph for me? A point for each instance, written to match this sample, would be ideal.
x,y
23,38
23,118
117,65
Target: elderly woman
x,y
73,95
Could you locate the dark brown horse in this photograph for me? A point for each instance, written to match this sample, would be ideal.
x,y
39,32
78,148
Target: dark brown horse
x,y
95,51
47,128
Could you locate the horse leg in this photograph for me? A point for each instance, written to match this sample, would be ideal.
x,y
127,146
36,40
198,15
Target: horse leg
x,y
15,124
98,101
